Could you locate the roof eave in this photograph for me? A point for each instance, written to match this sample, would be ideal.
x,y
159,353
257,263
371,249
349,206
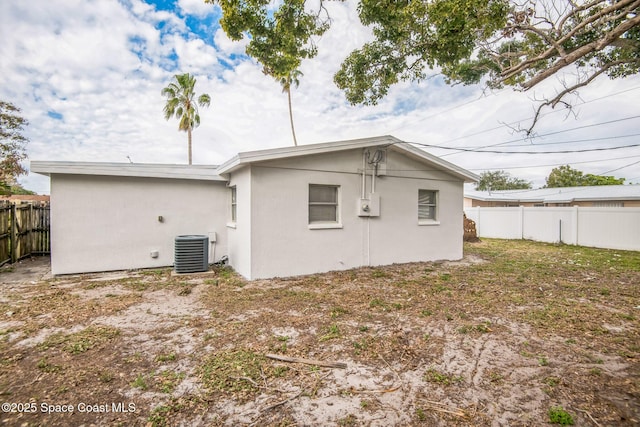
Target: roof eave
x,y
449,167
243,159
142,170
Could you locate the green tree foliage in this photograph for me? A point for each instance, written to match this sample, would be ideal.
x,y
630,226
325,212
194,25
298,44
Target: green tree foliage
x,y
500,180
500,42
182,103
566,176
12,145
278,39
510,43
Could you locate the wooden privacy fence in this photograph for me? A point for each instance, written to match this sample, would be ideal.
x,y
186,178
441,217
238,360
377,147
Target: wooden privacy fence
x,y
24,230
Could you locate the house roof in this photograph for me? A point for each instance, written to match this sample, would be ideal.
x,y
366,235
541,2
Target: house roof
x,y
559,195
145,170
214,173
387,141
26,197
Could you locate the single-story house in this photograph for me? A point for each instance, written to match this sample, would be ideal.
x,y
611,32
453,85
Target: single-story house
x,y
275,212
594,196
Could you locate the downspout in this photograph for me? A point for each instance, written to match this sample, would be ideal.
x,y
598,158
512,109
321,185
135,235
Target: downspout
x,y
364,176
368,241
374,172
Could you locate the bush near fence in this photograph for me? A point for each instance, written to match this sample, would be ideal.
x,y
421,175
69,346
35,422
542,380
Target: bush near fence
x,y
24,230
611,228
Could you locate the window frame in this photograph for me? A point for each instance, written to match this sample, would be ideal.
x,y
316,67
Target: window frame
x,y
233,207
317,225
435,205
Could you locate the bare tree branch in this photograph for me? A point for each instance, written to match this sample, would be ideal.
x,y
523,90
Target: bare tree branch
x,y
558,98
582,51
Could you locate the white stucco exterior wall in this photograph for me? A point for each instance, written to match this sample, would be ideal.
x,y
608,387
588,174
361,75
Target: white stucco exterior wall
x,y
282,243
101,223
239,232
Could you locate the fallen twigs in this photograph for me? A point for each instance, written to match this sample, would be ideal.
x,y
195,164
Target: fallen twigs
x,y
386,390
324,364
441,407
285,401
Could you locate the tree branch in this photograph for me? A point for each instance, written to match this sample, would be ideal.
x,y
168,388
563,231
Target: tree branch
x,y
572,57
566,59
558,98
576,9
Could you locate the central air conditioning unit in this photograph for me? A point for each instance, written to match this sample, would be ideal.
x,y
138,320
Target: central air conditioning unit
x,y
191,254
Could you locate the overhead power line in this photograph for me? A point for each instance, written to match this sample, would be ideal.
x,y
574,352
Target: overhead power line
x,y
475,150
621,167
478,149
604,138
464,104
557,164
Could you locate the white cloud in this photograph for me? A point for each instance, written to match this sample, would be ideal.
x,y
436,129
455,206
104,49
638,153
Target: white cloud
x,y
227,46
196,7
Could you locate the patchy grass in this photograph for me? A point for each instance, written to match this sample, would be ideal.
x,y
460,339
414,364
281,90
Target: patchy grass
x,y
433,375
557,415
526,324
80,342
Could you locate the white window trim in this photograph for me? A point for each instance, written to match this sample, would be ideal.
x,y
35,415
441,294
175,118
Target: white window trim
x,y
232,221
324,225
428,222
435,221
337,224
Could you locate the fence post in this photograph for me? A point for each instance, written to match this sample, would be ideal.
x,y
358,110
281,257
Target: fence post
x,y
14,234
478,209
574,219
521,221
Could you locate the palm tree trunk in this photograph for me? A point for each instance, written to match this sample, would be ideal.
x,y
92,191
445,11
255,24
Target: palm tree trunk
x,y
293,131
189,137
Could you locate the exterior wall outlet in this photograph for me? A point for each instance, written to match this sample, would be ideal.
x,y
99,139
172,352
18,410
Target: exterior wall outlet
x,y
155,254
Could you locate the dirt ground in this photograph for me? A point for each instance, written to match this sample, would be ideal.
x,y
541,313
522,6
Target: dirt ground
x,y
515,334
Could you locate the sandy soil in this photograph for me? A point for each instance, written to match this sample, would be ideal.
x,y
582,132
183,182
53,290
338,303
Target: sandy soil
x,y
434,344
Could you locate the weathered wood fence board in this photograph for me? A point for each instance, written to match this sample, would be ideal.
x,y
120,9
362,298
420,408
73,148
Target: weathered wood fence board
x,y
24,230
5,232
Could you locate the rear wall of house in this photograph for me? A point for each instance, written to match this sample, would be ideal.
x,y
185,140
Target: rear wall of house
x,y
112,223
240,230
283,243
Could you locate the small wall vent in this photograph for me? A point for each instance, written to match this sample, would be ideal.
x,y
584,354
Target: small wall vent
x,y
191,254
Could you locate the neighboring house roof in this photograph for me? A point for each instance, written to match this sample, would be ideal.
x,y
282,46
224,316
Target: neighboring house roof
x,y
559,195
26,197
145,170
389,142
214,173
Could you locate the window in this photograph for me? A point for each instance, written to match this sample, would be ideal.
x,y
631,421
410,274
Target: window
x,y
234,214
608,204
427,206
323,204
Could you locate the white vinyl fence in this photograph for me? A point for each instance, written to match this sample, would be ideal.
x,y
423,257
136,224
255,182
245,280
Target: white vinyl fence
x,y
614,228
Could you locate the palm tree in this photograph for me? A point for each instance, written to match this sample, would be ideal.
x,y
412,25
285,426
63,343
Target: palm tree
x,y
181,103
293,77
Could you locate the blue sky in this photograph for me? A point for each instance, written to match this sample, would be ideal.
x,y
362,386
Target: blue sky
x,y
88,75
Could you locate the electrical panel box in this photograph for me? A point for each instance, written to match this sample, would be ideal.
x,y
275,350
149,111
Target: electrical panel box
x,y
369,206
